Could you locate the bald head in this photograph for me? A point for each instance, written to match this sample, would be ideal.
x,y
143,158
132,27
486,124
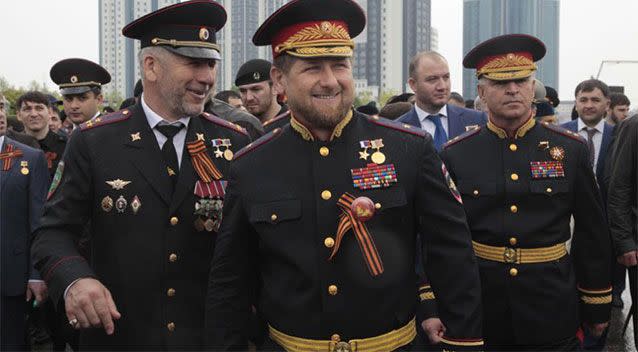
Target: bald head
x,y
425,55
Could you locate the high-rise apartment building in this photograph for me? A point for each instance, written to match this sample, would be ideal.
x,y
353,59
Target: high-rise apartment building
x,y
484,19
118,54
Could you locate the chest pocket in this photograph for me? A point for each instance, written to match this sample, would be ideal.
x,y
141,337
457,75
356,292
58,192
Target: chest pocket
x,y
275,212
549,187
387,198
471,189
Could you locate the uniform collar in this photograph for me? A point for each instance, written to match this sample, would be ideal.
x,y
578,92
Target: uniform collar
x,y
520,132
305,132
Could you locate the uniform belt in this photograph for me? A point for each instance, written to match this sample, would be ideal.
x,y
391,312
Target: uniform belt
x,y
387,342
519,255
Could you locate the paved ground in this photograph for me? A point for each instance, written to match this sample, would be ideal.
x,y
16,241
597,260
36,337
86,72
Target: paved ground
x,y
616,342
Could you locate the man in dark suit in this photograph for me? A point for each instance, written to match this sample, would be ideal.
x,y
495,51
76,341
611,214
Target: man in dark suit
x,y
430,81
23,185
151,181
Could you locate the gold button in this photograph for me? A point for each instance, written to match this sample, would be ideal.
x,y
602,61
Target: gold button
x,y
325,195
548,190
335,338
514,209
476,192
174,220
513,241
324,151
513,147
514,177
172,258
170,292
273,217
513,272
329,242
377,205
170,326
332,290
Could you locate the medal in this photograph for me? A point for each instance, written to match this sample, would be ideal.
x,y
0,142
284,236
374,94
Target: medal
x,y
543,145
120,204
228,154
199,224
209,225
378,157
217,143
25,167
136,204
557,153
364,154
118,184
107,204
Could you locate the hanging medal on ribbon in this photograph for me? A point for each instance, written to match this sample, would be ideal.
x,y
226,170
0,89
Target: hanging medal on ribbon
x,y
208,208
377,157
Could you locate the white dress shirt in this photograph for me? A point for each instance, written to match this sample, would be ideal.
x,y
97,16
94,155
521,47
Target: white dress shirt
x,y
597,138
178,140
427,124
1,142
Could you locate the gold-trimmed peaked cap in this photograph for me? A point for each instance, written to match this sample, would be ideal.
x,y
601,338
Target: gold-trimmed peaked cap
x,y
312,28
187,28
77,76
506,57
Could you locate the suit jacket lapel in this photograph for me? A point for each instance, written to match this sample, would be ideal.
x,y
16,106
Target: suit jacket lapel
x,y
604,145
455,124
145,155
187,175
413,118
5,175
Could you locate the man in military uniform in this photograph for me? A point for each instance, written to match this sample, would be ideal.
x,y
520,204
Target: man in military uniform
x,y
532,177
330,236
258,94
80,83
33,110
151,181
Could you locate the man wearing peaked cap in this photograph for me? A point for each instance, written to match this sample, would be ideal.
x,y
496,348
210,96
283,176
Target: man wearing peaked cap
x,y
258,95
80,83
149,181
533,177
331,235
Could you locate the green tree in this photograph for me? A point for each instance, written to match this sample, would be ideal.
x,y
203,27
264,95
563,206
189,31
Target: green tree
x,y
362,98
112,99
386,95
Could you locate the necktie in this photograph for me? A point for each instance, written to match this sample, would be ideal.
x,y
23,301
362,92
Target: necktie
x,y
590,143
440,137
168,149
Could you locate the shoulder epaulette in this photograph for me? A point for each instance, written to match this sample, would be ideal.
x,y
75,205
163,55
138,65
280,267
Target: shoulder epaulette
x,y
403,127
277,118
563,131
106,119
462,136
257,143
221,122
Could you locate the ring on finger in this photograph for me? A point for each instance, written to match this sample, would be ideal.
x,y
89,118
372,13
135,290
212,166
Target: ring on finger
x,y
73,322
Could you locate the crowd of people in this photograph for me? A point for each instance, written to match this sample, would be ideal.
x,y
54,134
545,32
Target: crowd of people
x,y
278,216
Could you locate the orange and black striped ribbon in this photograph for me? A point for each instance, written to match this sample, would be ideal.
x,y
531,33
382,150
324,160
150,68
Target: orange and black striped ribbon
x,y
9,154
348,221
202,162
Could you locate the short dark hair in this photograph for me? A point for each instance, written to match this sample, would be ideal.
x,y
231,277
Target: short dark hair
x,y
616,99
458,97
225,95
284,62
394,110
33,97
591,84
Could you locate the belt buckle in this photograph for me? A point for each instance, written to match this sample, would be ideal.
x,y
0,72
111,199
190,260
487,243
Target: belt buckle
x,y
510,255
341,346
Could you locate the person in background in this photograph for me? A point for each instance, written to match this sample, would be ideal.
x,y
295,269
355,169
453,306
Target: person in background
x,y
369,109
231,98
457,99
618,108
395,110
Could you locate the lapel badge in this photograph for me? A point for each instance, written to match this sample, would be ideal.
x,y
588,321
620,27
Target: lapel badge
x,y
228,154
471,127
374,176
363,208
200,136
136,204
135,137
543,145
364,145
24,167
118,184
120,204
377,157
107,204
171,172
557,153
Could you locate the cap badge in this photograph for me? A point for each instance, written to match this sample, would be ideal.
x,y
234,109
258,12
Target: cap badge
x,y
204,34
256,76
74,79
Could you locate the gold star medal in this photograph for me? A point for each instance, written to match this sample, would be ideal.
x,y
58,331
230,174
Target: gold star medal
x,y
217,143
557,153
25,167
228,154
378,157
365,145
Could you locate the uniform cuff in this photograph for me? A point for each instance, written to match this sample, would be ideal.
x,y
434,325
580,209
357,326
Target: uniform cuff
x,y
595,304
427,307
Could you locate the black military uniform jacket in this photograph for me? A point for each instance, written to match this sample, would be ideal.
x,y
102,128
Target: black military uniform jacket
x,y
145,247
281,120
508,206
53,147
280,220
